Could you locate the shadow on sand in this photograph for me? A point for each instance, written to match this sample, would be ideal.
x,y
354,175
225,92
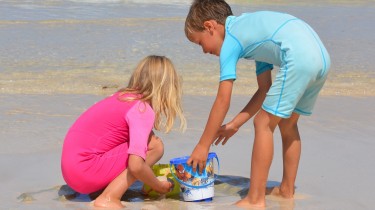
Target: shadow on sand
x,y
224,185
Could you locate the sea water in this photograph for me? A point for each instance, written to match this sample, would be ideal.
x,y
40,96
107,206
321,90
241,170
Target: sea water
x,y
91,46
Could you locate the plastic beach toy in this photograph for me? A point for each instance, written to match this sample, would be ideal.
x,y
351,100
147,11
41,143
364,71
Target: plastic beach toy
x,y
195,186
159,171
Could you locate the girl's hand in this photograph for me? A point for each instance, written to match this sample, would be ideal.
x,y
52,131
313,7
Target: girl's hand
x,y
225,132
166,186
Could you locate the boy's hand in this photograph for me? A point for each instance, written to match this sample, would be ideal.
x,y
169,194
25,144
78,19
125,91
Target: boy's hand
x,y
198,158
225,132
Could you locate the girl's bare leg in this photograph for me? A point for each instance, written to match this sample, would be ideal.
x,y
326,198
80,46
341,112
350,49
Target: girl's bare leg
x,y
262,155
111,196
155,150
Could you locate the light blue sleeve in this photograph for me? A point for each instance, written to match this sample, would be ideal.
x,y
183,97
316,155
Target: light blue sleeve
x,y
262,67
229,56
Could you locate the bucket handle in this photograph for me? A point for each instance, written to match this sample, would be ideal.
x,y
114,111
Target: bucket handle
x,y
192,186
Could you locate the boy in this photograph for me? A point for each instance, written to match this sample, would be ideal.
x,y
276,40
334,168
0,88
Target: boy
x,y
269,38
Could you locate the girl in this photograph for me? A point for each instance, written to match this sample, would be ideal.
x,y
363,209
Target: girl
x,y
112,144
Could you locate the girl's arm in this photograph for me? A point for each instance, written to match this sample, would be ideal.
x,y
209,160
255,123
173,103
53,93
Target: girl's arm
x,y
215,120
228,130
141,171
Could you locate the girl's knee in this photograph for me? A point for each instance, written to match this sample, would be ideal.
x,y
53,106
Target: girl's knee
x,y
156,145
155,150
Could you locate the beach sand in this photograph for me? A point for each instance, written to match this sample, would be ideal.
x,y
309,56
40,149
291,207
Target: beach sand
x,y
336,169
59,57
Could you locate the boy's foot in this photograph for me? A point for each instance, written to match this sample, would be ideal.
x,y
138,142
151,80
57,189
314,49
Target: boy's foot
x,y
245,203
276,191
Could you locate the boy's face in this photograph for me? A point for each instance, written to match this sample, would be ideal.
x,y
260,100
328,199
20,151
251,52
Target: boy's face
x,y
210,40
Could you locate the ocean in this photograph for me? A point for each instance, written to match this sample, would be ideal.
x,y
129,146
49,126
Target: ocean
x,y
91,46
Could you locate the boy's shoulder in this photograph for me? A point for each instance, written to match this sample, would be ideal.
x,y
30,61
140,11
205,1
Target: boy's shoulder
x,y
255,20
264,14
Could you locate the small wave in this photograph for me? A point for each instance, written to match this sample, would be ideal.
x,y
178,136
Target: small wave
x,y
106,80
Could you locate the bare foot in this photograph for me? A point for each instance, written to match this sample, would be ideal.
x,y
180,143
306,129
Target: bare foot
x,y
245,203
108,203
275,194
276,191
273,191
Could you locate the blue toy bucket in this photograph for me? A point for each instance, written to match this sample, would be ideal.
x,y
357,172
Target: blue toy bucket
x,y
195,186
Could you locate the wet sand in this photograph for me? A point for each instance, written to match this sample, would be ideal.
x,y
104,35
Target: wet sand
x,y
57,59
335,172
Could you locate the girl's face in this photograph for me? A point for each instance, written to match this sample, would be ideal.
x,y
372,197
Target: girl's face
x,y
210,40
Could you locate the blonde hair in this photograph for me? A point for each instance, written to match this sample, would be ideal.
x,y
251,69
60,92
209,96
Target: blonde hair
x,y
204,10
155,80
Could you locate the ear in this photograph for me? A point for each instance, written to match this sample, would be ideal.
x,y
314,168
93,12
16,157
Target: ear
x,y
210,25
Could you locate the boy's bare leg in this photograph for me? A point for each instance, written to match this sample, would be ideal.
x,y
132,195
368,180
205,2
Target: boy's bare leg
x,y
111,196
262,155
291,155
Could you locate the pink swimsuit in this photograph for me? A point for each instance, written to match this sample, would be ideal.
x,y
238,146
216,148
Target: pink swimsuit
x,y
97,146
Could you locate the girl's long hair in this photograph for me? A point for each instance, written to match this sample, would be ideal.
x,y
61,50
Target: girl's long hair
x,y
155,81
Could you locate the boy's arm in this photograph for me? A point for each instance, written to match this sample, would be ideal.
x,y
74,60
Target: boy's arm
x,y
215,120
264,83
226,131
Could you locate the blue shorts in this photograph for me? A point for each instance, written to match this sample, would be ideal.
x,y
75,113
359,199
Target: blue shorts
x,y
301,76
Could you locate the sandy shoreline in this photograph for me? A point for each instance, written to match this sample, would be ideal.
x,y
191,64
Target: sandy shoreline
x,y
59,57
80,48
335,173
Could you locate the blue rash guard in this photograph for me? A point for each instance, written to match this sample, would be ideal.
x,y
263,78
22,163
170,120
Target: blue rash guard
x,y
272,38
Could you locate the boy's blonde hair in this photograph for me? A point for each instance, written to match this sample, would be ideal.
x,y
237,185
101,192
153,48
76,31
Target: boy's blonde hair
x,y
155,80
204,10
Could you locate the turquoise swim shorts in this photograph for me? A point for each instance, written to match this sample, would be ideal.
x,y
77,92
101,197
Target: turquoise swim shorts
x,y
302,73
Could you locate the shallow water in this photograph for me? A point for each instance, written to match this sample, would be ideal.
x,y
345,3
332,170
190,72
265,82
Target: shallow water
x,y
91,46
